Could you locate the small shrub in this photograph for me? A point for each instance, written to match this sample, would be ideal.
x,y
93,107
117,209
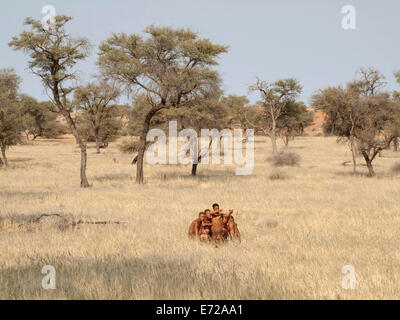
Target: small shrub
x,y
129,146
396,167
284,158
277,175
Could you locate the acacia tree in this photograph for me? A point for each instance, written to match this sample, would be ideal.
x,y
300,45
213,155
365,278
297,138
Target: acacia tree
x,y
369,83
94,104
237,107
366,120
351,119
10,115
294,120
396,97
375,129
209,114
39,121
240,112
172,67
53,54
136,118
275,99
343,111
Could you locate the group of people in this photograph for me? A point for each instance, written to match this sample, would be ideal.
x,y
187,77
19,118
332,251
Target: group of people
x,y
214,225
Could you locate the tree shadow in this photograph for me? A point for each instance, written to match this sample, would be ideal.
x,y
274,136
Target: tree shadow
x,y
113,277
30,222
19,160
204,175
295,147
352,174
25,194
112,177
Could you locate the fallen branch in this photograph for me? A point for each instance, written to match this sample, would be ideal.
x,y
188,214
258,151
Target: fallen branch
x,y
96,222
74,223
49,215
349,162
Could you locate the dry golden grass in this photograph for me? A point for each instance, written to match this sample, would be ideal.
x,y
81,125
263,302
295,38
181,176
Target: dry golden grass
x,y
297,233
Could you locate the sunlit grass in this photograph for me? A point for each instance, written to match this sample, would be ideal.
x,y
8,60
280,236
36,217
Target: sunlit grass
x,y
297,232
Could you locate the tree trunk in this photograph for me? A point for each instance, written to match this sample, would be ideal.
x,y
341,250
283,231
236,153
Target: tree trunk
x,y
353,153
195,165
194,169
1,162
286,141
273,141
81,144
67,116
369,164
142,144
97,145
3,152
84,180
370,169
139,162
97,138
396,144
272,135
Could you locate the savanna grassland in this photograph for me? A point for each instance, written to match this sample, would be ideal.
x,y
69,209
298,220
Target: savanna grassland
x,y
297,232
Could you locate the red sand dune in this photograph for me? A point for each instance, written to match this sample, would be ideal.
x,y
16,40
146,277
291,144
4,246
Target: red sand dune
x,y
316,127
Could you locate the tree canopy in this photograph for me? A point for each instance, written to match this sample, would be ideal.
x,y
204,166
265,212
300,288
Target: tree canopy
x,y
171,67
275,99
10,111
53,55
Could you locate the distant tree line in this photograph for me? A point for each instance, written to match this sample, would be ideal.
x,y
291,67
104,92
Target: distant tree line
x,y
169,74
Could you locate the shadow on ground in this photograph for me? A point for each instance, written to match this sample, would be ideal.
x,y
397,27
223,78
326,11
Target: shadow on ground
x,y
204,175
20,160
113,177
25,194
120,278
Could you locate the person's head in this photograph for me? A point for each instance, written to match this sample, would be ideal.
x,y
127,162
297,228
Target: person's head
x,y
207,212
215,207
201,215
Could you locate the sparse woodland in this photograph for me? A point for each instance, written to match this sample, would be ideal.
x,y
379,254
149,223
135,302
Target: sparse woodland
x,y
171,74
312,204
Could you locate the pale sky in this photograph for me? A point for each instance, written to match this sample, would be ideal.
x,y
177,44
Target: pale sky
x,y
269,39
